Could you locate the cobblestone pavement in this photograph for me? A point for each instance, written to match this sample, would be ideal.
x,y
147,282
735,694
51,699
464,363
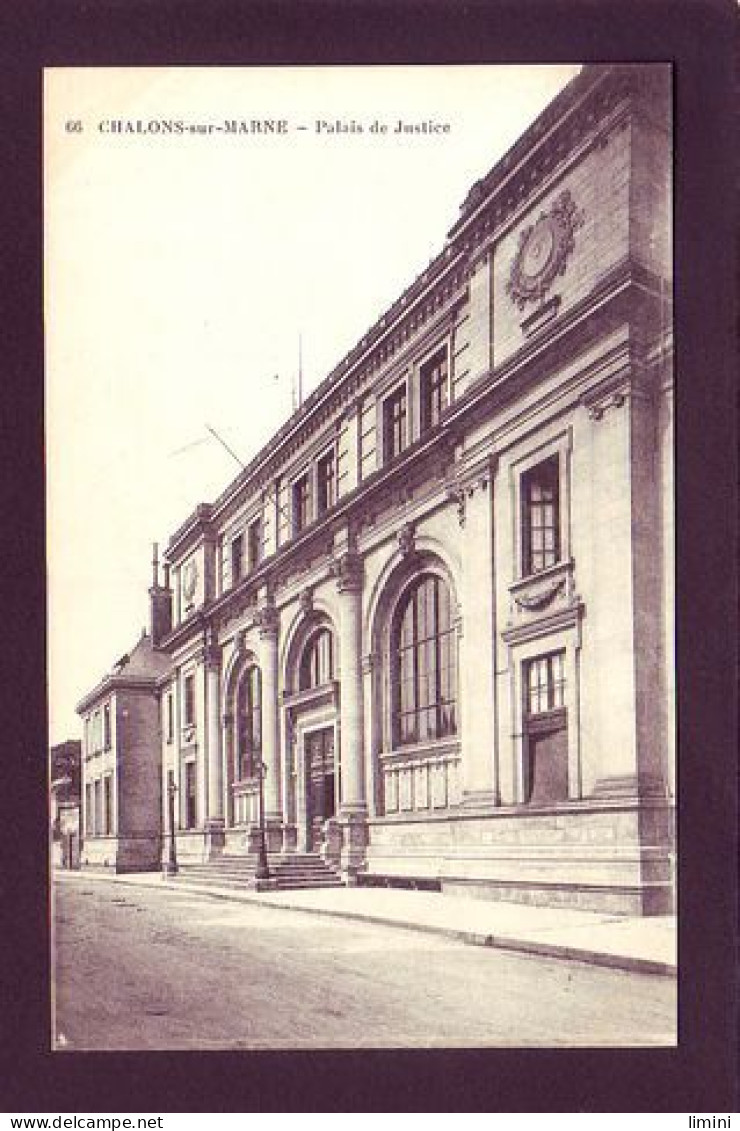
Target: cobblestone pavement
x,y
144,969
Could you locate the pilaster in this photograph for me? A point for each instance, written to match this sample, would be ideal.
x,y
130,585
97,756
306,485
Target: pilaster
x,y
348,571
472,490
266,620
213,825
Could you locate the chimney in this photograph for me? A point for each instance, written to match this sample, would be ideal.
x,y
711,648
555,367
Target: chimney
x,y
160,601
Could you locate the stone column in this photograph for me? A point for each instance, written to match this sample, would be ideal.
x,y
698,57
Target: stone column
x,y
267,622
214,822
353,807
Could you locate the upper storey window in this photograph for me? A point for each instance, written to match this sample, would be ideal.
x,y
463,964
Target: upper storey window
x,y
395,430
170,718
301,503
254,536
326,474
188,701
541,516
317,661
435,389
237,558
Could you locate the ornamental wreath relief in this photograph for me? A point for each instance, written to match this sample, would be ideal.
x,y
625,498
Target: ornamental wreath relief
x,y
544,249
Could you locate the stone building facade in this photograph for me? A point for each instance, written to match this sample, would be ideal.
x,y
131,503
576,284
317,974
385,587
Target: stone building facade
x,y
120,824
438,606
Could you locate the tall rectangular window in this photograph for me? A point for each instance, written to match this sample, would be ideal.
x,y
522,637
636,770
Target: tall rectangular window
x,y
106,726
107,805
236,558
191,806
541,516
327,482
170,718
98,807
435,392
188,715
301,499
254,535
394,424
89,812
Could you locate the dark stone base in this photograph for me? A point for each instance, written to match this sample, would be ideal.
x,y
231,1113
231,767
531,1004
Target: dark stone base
x,y
353,852
214,835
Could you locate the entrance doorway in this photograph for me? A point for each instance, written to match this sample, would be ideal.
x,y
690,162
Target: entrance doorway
x,y
320,783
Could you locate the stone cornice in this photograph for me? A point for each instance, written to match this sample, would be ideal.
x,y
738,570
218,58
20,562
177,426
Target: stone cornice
x,y
439,288
572,117
196,528
116,683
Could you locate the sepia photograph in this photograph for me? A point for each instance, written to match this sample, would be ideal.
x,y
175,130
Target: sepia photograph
x,y
359,451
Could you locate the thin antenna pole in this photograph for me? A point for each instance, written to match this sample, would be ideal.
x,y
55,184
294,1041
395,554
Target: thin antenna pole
x,y
300,369
225,445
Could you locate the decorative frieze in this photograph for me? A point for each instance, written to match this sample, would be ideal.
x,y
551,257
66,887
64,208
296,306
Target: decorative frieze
x,y
539,597
542,595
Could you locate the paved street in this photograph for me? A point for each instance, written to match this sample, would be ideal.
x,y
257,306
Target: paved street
x,y
139,968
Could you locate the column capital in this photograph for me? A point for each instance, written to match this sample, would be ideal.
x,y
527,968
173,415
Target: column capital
x,y
266,620
347,569
211,647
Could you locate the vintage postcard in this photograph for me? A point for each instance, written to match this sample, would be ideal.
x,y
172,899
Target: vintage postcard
x,y
359,411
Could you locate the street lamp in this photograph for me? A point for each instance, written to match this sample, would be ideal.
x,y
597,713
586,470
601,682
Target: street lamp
x,y
171,869
262,872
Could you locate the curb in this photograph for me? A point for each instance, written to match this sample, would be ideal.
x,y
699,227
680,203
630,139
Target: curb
x,y
563,951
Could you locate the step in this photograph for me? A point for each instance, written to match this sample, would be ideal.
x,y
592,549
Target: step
x,y
296,872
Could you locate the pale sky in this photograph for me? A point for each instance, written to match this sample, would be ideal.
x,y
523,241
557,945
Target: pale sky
x,y
180,270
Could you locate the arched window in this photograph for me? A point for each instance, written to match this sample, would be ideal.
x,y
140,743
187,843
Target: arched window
x,y
424,660
249,722
317,661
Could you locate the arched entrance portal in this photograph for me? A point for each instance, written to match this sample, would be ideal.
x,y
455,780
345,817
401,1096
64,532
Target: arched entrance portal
x,y
312,706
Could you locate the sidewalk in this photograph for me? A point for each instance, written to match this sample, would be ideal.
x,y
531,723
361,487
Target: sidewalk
x,y
641,945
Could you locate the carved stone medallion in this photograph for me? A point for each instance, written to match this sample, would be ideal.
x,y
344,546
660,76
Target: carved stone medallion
x,y
543,252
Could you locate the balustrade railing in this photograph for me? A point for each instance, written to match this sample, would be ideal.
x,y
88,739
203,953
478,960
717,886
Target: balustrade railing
x,y
422,780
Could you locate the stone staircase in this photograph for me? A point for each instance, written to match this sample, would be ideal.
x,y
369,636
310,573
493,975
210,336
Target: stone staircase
x,y
289,873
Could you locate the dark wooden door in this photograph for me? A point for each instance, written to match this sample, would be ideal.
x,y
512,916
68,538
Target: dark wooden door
x,y
320,784
548,766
